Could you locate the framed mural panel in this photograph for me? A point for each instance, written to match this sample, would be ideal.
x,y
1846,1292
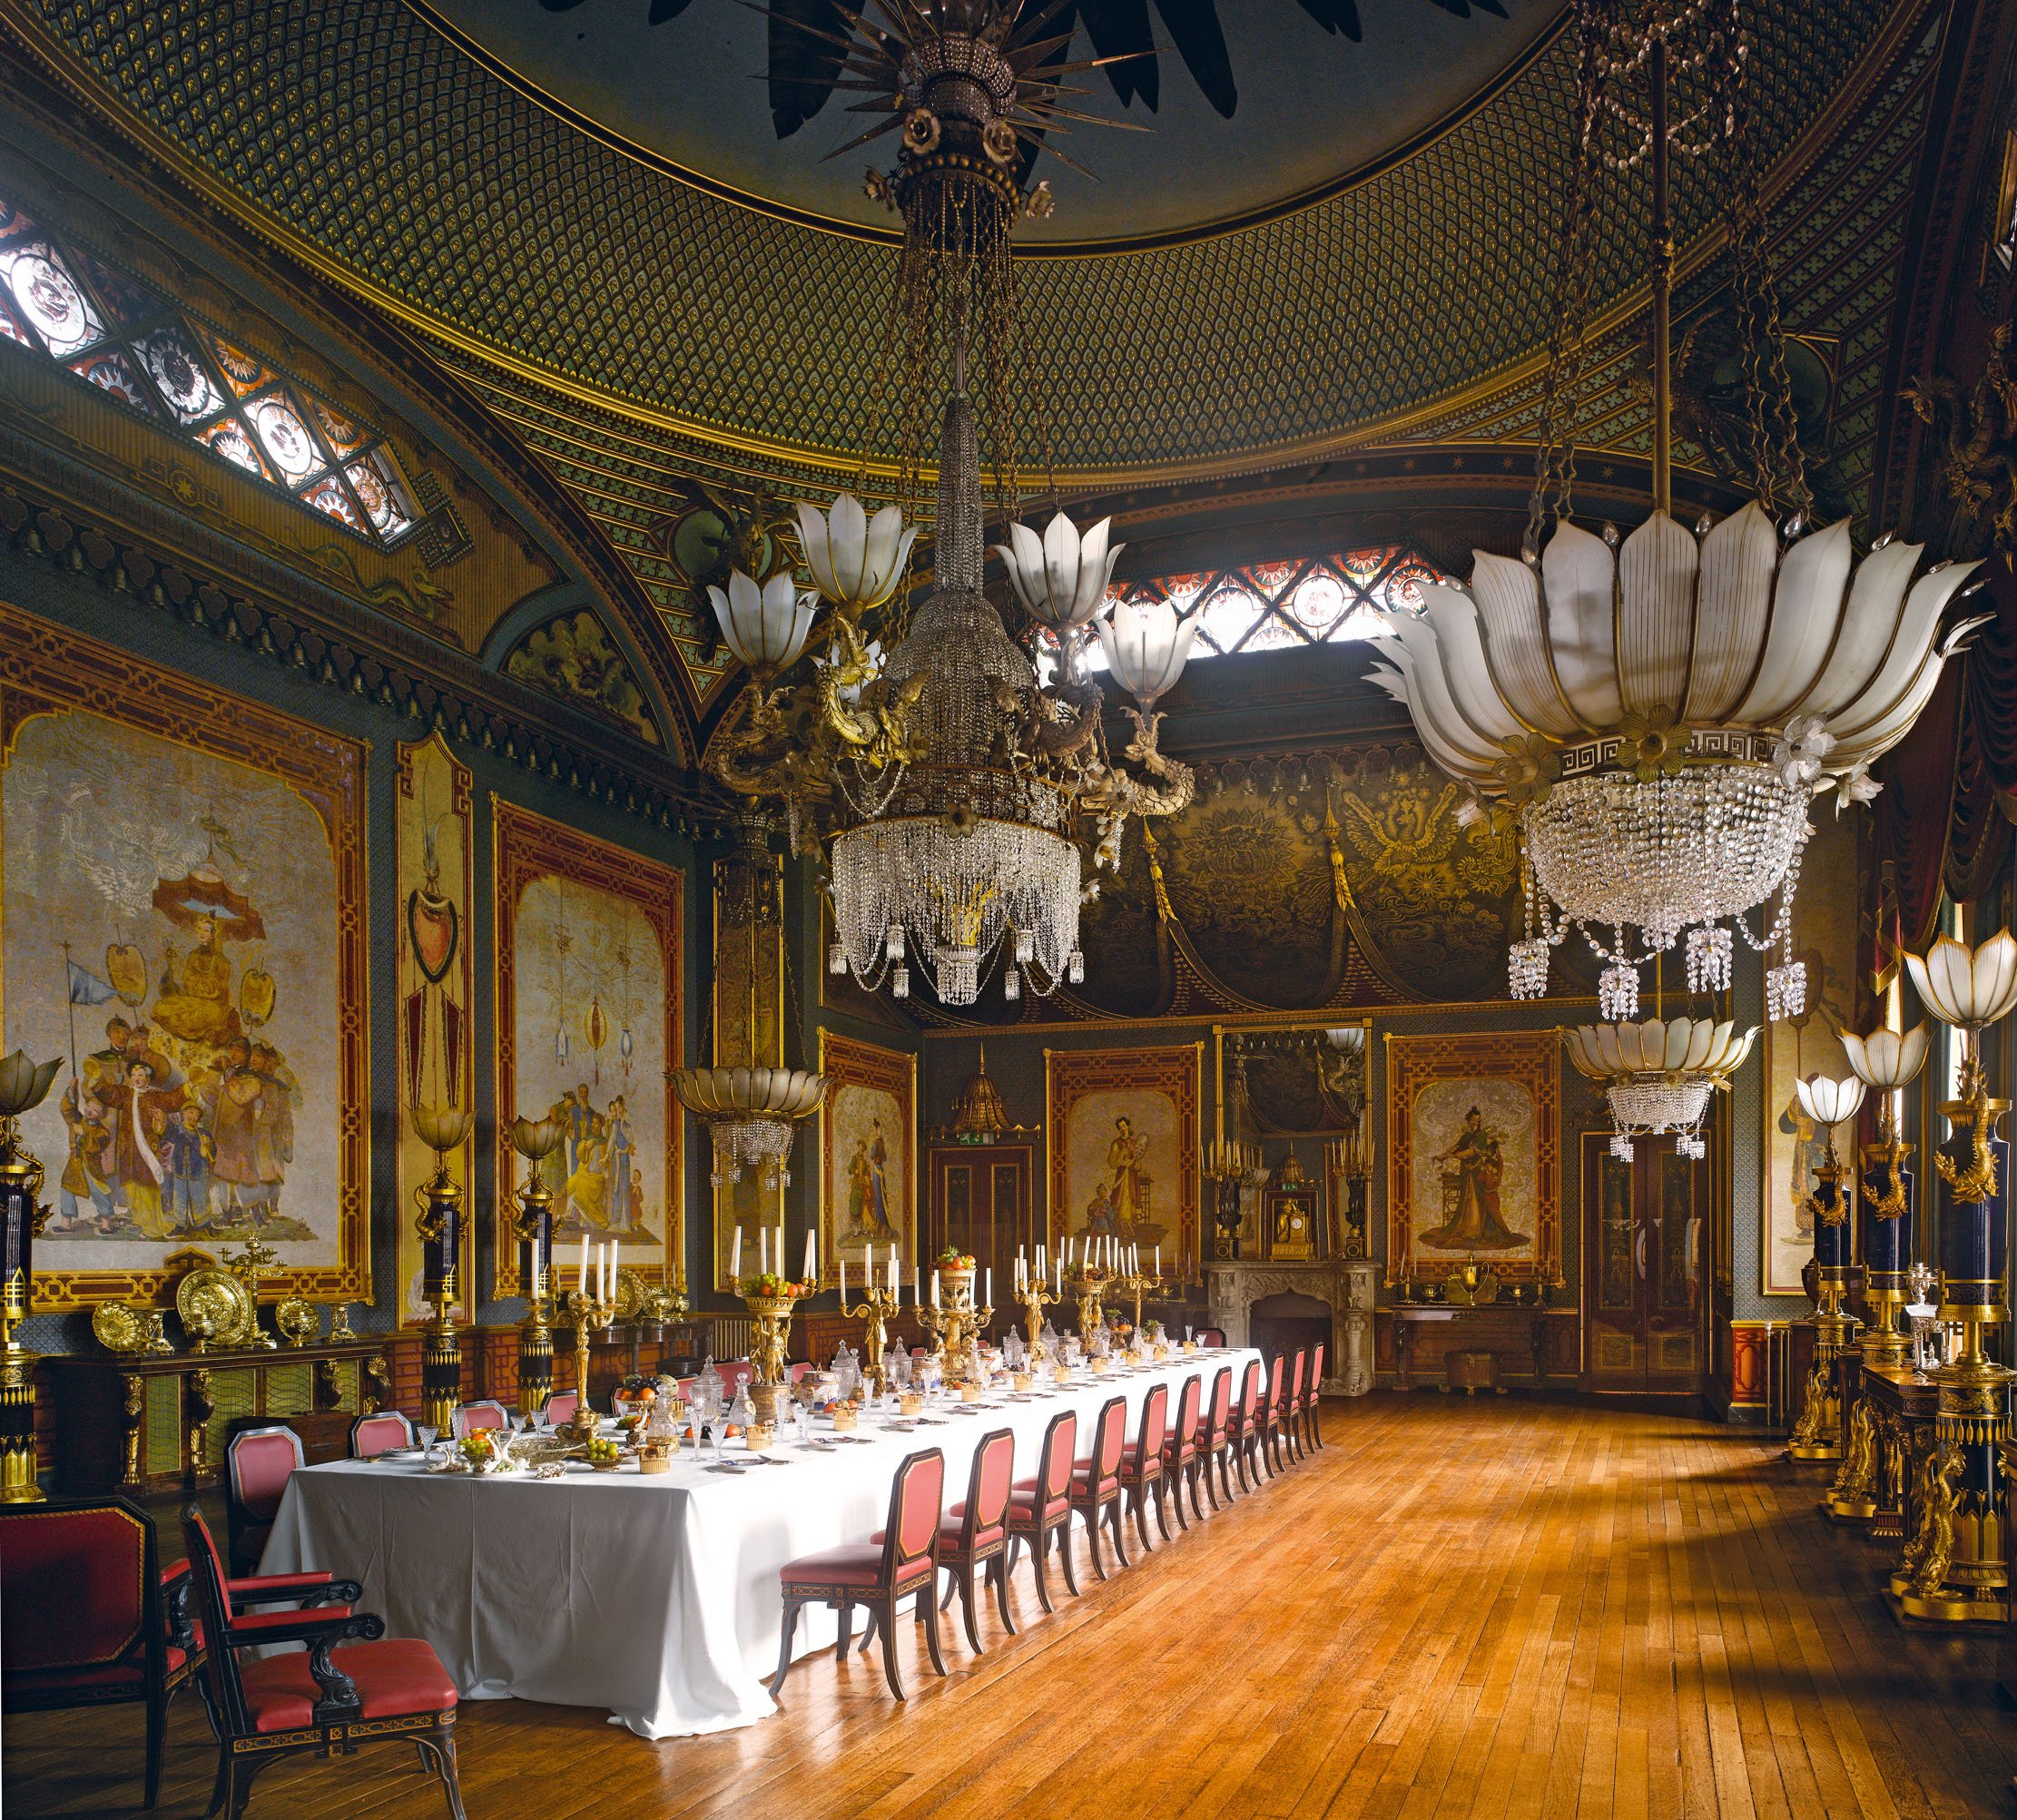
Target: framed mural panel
x,y
433,993
867,1158
1475,1155
1122,1130
587,1007
182,918
1824,939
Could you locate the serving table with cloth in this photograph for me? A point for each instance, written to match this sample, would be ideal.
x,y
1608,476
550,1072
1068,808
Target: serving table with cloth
x,y
654,1596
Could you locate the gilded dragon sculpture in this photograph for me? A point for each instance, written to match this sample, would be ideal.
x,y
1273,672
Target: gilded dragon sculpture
x,y
1976,1179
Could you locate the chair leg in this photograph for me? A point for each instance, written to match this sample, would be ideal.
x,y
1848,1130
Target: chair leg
x,y
997,1571
200,1680
1211,1461
967,1602
928,1609
1038,1550
222,1785
442,1749
1117,1519
1201,1467
1185,1473
1240,1442
952,1586
1136,1499
790,1624
1063,1533
1094,1517
869,1630
157,1736
887,1620
1162,1500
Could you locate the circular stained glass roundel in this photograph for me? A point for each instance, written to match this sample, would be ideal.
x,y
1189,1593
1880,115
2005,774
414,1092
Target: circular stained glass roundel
x,y
285,437
180,377
49,298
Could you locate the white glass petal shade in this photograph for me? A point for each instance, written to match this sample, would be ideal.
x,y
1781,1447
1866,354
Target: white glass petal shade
x,y
856,561
1828,1101
1146,647
1061,577
766,628
1681,1046
1726,633
1967,988
1885,1059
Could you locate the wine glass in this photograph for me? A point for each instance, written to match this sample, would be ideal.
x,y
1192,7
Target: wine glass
x,y
427,1436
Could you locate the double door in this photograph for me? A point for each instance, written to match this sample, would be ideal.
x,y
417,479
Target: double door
x,y
1645,1278
979,1205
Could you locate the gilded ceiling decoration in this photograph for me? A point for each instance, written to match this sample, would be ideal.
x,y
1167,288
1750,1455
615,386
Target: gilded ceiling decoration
x,y
572,656
421,177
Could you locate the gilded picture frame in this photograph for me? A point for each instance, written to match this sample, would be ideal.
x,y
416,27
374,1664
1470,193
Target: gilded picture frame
x,y
203,871
868,1158
1475,1155
587,986
1121,1128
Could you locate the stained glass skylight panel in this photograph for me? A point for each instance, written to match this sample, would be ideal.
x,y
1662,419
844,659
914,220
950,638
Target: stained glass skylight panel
x,y
126,303
343,436
230,440
243,372
49,298
331,496
284,437
111,371
380,495
178,370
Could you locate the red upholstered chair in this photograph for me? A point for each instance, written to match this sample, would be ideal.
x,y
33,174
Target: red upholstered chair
x,y
876,1575
1312,1429
1216,1435
1285,1432
471,1417
797,1373
1040,1507
257,1464
1141,1464
1243,1427
735,1375
371,1435
80,1583
1210,1336
975,1533
1180,1453
321,1699
560,1406
1095,1489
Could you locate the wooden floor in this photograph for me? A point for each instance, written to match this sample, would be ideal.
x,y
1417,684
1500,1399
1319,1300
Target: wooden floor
x,y
1494,1609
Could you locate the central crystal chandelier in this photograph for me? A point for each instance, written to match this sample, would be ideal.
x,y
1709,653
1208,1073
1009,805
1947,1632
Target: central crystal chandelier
x,y
1654,717
956,795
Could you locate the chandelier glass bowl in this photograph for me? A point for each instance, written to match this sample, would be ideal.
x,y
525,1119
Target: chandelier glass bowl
x,y
1659,1076
749,1114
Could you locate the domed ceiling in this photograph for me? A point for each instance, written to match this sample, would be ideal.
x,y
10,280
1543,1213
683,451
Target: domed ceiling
x,y
1308,107
553,194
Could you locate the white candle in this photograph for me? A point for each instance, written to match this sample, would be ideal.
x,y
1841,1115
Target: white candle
x,y
763,1248
868,1269
810,1255
935,1289
780,1247
1159,1260
602,1273
1060,1272
581,1281
987,1287
844,1285
736,1255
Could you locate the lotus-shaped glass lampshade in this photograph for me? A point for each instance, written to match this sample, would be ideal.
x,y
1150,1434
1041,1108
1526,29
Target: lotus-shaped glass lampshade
x,y
1828,1101
1061,577
23,1084
765,626
748,1093
441,1128
1885,1059
1723,632
1968,988
856,561
1146,647
1694,1045
534,1138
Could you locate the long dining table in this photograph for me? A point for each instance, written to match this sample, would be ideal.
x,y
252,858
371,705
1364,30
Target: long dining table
x,y
654,1596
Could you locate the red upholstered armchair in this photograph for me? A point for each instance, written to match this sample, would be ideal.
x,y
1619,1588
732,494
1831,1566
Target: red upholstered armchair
x,y
323,1699
1244,1427
876,1575
371,1435
974,1534
80,1585
257,1464
470,1417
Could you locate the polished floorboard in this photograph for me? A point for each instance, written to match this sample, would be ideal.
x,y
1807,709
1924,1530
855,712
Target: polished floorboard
x,y
1499,1607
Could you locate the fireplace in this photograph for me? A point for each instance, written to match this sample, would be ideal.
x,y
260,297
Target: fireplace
x,y
1280,1305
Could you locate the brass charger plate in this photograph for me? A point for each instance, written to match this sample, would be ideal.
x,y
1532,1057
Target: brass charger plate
x,y
215,1303
632,1293
118,1329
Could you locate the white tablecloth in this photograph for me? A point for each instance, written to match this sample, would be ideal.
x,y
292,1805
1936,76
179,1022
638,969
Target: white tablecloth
x,y
654,1597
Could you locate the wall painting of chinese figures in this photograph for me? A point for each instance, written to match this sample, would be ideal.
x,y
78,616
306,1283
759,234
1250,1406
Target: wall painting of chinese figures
x,y
1473,1154
868,1159
588,1005
183,922
431,950
1122,1130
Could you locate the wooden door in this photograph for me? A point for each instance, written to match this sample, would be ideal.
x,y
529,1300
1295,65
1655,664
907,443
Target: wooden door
x,y
1645,1275
979,1205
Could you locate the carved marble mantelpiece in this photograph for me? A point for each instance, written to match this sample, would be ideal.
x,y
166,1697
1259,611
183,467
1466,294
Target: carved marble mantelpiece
x,y
1235,1285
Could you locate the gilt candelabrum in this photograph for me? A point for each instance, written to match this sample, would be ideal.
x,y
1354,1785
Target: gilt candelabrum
x,y
1089,1289
1034,1298
877,1307
1955,1569
536,1140
1133,1285
770,1300
22,1087
588,1313
1817,1436
438,1225
956,1320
